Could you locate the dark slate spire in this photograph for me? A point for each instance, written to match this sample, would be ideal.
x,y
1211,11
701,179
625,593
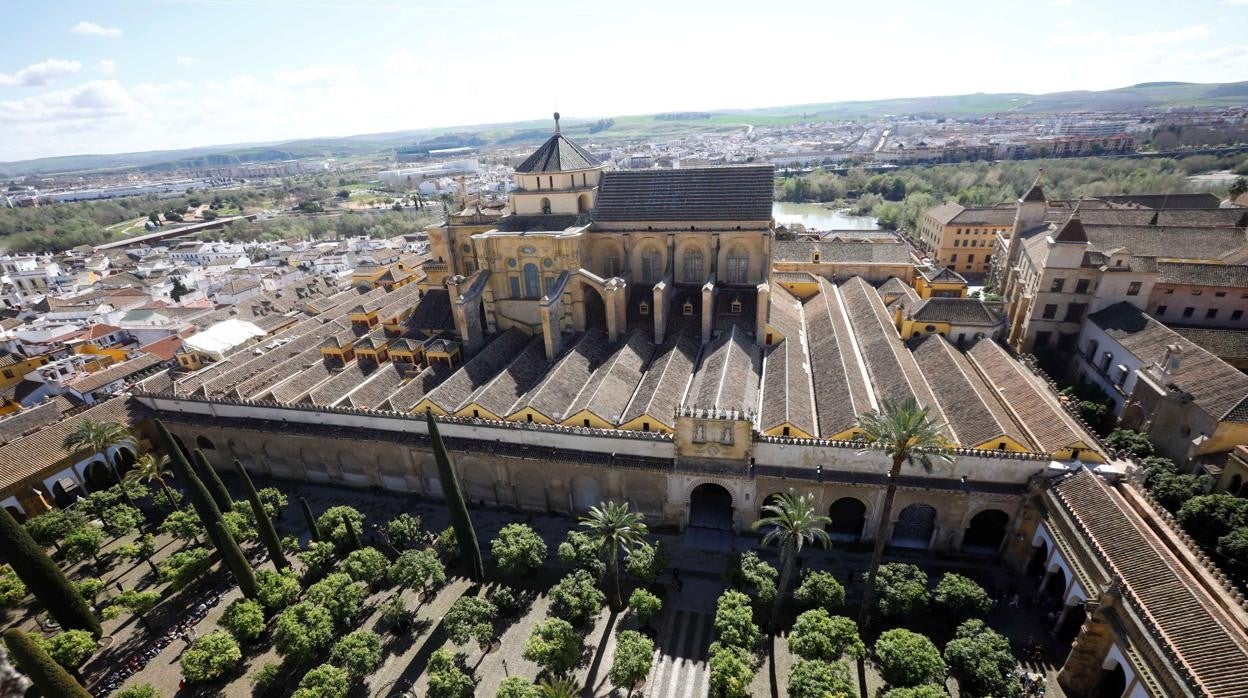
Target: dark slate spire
x,y
558,154
1072,231
1035,193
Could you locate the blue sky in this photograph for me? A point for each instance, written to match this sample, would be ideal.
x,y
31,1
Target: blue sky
x,y
105,76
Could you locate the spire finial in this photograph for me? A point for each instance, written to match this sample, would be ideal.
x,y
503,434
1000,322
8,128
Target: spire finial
x,y
556,122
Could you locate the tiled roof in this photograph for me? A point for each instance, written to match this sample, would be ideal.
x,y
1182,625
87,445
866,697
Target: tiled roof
x,y
974,413
1173,242
839,251
1046,423
1164,201
958,311
433,313
20,423
558,389
411,392
340,384
840,383
696,194
163,349
525,368
1071,231
788,395
895,288
296,387
380,385
784,312
455,391
99,330
612,384
32,454
1216,386
663,385
558,154
728,374
997,217
942,275
1198,274
894,373
1175,608
125,369
1225,344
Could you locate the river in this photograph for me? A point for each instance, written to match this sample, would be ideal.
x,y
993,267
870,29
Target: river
x,y
819,217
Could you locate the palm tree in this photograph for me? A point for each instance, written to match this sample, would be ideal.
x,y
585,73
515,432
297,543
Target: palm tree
x,y
151,468
908,435
791,521
96,437
558,687
616,529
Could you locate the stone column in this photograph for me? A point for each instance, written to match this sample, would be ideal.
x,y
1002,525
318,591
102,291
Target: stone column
x,y
762,311
1081,674
1044,583
551,336
708,309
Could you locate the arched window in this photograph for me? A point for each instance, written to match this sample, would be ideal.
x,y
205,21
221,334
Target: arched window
x,y
545,204
611,264
738,267
650,268
582,203
203,443
692,264
532,281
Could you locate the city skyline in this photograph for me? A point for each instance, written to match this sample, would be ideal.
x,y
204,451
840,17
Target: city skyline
x,y
132,76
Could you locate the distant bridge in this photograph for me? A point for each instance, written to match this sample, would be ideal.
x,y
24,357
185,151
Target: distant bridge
x,y
176,232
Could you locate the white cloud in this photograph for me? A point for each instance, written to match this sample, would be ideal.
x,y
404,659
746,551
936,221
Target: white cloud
x,y
94,100
39,74
93,29
106,67
1105,39
318,75
186,60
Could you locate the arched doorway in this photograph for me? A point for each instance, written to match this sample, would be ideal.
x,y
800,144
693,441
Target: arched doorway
x,y
99,476
1052,592
585,493
1236,483
915,526
1069,627
17,514
769,500
203,443
595,309
124,460
710,506
1039,554
849,516
65,492
181,447
582,203
986,532
1113,682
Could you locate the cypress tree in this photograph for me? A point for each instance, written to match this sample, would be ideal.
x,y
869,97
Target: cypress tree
x,y
203,503
313,529
212,481
465,534
48,676
44,579
264,526
353,536
236,561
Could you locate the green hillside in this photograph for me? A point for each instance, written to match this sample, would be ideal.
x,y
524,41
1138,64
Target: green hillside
x,y
1154,95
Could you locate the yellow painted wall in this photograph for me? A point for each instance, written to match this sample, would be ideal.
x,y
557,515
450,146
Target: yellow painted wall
x,y
595,422
116,355
475,411
528,414
927,290
908,328
794,432
656,425
12,375
427,405
802,290
1227,436
993,445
